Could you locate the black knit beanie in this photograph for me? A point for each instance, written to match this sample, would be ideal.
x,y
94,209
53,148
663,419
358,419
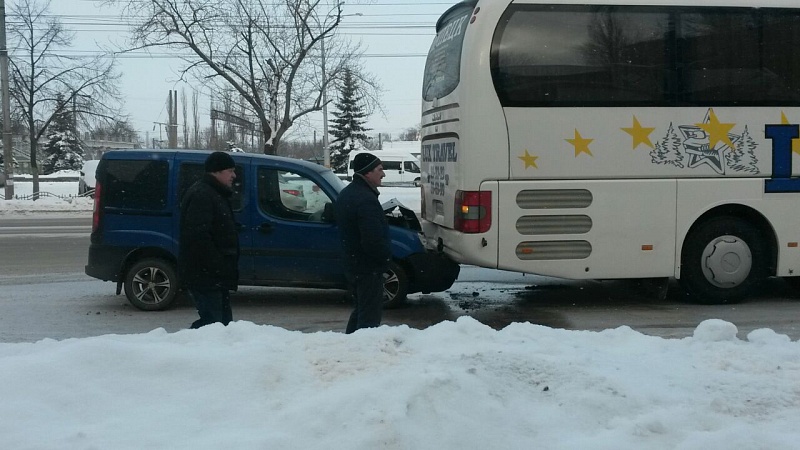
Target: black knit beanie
x,y
219,161
364,162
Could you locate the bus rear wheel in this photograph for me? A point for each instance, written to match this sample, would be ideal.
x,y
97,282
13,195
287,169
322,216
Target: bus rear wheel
x,y
723,261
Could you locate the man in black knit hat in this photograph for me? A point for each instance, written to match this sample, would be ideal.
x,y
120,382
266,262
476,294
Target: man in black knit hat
x,y
209,243
365,240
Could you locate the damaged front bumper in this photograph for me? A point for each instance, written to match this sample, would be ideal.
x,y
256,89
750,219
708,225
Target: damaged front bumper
x,y
429,270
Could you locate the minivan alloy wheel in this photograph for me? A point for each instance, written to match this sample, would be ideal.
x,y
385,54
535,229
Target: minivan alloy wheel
x,y
151,284
395,286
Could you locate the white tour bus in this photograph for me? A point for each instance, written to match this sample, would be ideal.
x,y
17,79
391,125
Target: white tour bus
x,y
617,140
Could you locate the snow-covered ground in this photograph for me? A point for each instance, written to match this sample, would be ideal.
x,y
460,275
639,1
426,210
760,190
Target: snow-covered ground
x,y
50,200
455,385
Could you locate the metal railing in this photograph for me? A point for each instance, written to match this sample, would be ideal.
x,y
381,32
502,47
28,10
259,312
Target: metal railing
x,y
43,194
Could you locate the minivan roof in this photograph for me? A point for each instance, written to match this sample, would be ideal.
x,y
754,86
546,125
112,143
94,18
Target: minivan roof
x,y
152,153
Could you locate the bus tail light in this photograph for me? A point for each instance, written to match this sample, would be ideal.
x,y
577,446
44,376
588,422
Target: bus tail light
x,y
473,212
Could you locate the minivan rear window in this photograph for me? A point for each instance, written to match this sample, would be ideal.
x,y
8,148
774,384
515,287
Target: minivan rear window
x,y
132,184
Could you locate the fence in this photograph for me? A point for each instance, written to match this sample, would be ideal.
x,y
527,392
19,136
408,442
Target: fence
x,y
43,194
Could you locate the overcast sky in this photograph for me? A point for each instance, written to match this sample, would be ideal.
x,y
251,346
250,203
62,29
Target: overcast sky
x,y
396,35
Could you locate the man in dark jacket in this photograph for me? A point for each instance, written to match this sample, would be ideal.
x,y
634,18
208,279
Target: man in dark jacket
x,y
209,243
365,240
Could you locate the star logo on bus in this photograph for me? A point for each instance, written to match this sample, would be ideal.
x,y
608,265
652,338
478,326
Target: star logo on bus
x,y
716,131
701,139
640,134
581,144
795,142
529,160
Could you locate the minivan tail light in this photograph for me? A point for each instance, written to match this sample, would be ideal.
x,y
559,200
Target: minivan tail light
x,y
473,211
96,207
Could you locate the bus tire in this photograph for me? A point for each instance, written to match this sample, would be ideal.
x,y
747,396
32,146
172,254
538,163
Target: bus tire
x,y
395,286
151,284
723,261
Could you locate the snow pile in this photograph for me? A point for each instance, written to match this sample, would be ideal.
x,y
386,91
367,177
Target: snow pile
x,y
455,385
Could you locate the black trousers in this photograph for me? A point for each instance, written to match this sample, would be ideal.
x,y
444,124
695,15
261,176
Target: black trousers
x,y
367,291
213,305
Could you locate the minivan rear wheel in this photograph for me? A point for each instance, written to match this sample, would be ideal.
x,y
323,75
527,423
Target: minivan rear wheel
x,y
395,286
151,284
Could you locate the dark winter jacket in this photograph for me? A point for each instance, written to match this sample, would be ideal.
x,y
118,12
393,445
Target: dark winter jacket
x,y
209,241
363,228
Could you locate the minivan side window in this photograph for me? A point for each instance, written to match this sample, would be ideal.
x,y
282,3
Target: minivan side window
x,y
290,195
190,172
138,185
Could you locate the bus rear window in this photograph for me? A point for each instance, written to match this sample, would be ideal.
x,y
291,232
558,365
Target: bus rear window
x,y
444,58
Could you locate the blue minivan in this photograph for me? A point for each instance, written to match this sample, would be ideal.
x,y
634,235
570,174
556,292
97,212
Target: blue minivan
x,y
287,232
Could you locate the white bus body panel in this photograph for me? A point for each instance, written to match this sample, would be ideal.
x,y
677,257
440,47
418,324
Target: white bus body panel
x,y
696,197
615,228
592,143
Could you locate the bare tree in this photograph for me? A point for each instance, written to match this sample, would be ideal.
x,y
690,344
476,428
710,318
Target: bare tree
x,y
267,51
39,72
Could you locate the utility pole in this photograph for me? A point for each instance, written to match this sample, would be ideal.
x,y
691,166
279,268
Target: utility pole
x,y
8,151
172,112
326,154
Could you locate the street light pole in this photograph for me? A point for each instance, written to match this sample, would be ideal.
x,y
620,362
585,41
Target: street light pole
x,y
326,154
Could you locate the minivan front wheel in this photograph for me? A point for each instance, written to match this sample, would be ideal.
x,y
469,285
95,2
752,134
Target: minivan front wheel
x,y
151,284
395,286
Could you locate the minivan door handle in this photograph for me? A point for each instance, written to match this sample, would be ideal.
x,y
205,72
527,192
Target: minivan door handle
x,y
265,228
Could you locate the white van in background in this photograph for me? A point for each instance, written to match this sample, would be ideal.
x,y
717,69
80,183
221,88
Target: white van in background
x,y
400,166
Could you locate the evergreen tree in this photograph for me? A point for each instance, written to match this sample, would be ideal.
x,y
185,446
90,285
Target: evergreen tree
x,y
63,150
742,157
667,150
347,127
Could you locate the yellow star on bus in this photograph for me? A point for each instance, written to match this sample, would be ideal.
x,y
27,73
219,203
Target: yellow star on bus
x,y
716,131
795,142
640,134
529,160
581,144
